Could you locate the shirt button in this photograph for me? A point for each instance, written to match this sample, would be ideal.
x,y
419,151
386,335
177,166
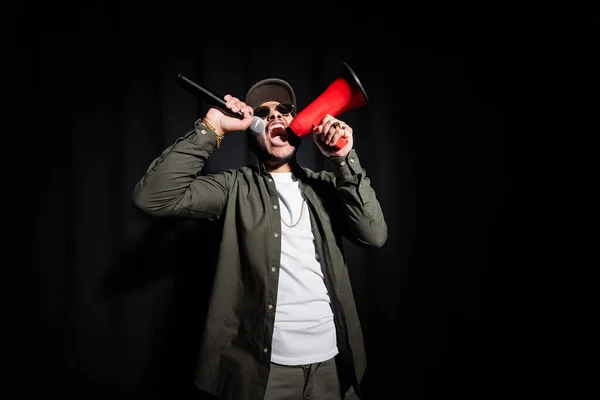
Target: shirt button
x,y
273,269
265,350
270,180
276,234
203,132
343,163
270,306
275,207
352,160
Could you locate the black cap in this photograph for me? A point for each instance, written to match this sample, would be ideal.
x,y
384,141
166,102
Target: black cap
x,y
271,89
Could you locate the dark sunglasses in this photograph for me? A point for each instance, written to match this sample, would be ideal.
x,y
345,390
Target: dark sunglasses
x,y
264,111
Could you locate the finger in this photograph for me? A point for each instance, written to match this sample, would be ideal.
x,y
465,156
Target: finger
x,y
326,121
336,137
332,141
328,134
247,109
327,118
238,105
335,128
336,132
330,123
330,127
232,100
320,135
344,129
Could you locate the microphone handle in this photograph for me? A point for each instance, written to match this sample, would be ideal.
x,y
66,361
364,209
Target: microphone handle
x,y
207,96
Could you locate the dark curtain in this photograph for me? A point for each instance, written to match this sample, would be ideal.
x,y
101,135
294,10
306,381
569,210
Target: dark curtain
x,y
104,301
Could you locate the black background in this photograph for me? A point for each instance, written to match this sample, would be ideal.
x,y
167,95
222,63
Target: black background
x,y
108,302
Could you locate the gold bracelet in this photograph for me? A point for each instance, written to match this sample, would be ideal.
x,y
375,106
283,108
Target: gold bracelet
x,y
209,126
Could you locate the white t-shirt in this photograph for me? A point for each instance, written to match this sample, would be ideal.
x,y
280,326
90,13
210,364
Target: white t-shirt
x,y
304,329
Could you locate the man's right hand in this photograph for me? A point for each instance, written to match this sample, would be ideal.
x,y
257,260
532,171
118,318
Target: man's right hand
x,y
224,124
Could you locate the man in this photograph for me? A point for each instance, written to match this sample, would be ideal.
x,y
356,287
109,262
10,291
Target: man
x,y
282,322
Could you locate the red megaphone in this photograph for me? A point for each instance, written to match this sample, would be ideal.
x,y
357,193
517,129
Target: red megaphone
x,y
343,94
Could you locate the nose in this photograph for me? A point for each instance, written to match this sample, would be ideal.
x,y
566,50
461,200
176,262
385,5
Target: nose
x,y
274,115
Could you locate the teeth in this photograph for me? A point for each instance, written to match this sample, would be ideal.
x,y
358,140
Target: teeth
x,y
276,125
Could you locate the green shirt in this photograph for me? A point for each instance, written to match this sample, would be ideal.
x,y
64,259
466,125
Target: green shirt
x,y
234,357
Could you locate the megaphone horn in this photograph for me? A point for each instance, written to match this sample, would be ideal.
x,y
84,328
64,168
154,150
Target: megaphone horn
x,y
343,94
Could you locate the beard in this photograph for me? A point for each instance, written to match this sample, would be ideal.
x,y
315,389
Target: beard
x,y
261,147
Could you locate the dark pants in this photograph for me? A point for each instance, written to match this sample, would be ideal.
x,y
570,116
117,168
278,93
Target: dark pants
x,y
317,381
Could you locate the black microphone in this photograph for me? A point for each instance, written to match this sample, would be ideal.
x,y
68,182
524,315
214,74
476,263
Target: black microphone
x,y
257,126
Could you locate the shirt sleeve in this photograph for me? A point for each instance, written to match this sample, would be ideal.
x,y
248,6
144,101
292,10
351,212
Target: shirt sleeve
x,y
173,186
360,208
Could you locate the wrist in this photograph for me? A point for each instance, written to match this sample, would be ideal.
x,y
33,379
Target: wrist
x,y
339,155
218,132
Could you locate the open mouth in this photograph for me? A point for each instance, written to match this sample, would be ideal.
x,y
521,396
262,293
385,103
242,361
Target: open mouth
x,y
278,134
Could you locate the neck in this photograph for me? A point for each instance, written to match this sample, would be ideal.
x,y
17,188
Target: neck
x,y
286,167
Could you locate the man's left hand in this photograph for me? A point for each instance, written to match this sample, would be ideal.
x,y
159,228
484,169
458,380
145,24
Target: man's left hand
x,y
327,134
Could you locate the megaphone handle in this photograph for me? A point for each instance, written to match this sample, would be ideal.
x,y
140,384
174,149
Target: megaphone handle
x,y
341,143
